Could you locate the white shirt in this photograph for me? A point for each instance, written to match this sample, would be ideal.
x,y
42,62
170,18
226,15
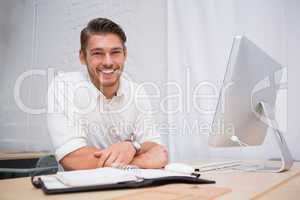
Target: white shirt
x,y
79,114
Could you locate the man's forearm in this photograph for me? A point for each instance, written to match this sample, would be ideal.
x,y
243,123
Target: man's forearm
x,y
82,158
151,156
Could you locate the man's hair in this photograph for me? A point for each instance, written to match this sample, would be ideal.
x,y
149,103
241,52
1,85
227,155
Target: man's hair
x,y
100,26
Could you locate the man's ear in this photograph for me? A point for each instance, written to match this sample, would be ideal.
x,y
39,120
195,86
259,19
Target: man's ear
x,y
125,52
82,57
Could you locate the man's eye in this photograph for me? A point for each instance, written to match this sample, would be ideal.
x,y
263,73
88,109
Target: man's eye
x,y
116,52
97,53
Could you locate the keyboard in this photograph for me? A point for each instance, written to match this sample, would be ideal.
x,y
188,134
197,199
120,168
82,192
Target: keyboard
x,y
218,166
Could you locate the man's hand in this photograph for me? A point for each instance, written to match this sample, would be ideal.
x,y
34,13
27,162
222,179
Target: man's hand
x,y
121,153
151,155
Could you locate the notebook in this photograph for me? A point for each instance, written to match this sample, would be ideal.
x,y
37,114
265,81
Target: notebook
x,y
111,178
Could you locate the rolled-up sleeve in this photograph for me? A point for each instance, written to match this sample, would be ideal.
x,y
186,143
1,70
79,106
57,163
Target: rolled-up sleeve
x,y
65,131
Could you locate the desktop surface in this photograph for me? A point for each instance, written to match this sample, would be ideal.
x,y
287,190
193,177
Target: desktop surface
x,y
233,184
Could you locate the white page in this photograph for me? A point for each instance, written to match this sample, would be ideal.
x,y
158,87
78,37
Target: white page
x,y
99,176
153,173
51,182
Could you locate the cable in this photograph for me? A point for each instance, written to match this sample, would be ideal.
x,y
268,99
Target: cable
x,y
235,138
245,167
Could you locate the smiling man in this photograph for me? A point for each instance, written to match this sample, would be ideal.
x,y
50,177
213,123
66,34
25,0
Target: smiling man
x,y
96,118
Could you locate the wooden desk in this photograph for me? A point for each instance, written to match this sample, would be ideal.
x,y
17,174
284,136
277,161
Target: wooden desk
x,y
258,185
244,185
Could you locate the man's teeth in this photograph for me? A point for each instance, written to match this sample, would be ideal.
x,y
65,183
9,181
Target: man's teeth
x,y
107,71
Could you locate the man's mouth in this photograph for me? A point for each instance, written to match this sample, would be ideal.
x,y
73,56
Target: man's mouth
x,y
106,71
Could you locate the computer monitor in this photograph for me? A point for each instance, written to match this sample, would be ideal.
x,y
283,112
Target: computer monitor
x,y
245,110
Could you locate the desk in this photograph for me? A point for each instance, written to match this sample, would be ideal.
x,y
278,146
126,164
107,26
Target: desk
x,y
258,185
244,185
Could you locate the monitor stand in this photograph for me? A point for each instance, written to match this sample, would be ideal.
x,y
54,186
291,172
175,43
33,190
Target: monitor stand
x,y
267,114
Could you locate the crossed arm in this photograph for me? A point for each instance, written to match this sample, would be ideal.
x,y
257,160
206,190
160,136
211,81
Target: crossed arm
x,y
151,155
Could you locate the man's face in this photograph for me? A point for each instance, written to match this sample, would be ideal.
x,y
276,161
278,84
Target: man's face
x,y
105,57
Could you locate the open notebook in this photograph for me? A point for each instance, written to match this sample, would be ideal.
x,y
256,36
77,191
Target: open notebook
x,y
111,178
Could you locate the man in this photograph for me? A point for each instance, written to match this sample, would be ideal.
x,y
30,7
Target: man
x,y
95,119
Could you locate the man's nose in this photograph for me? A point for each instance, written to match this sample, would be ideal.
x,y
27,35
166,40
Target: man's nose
x,y
108,60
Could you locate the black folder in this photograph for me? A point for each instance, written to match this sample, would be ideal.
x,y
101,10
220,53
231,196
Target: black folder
x,y
39,183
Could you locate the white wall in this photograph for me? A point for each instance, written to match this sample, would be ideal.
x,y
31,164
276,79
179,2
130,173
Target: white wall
x,y
293,62
16,42
200,34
